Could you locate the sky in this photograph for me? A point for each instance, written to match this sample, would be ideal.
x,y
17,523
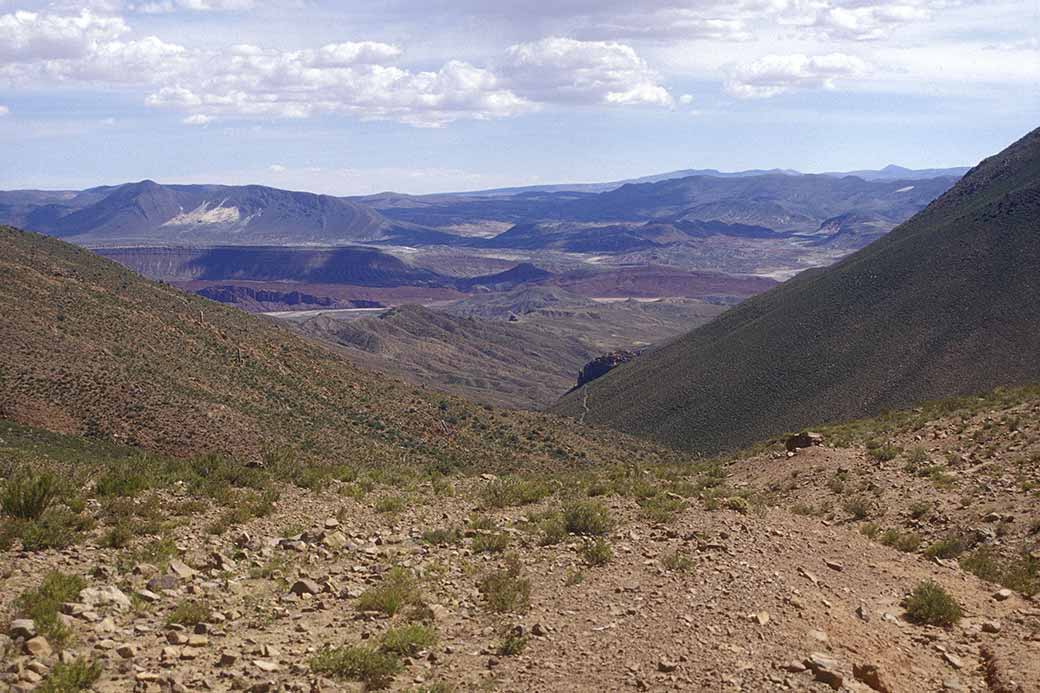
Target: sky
x,y
419,96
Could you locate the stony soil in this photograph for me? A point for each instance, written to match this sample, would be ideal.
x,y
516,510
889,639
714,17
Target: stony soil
x,y
766,593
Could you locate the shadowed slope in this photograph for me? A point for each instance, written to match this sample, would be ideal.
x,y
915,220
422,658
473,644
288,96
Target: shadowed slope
x,y
947,304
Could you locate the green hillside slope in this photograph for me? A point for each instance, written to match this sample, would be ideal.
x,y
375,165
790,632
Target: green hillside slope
x,y
947,304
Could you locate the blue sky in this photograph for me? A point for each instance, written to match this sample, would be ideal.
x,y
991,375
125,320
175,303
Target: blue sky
x,y
354,98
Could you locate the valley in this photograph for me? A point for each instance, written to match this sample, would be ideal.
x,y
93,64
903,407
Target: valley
x,y
195,497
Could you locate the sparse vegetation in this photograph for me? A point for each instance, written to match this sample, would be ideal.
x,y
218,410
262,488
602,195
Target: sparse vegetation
x,y
512,644
69,677
1021,573
409,639
506,590
190,613
597,552
43,604
907,542
511,491
587,518
397,590
355,663
677,562
490,542
930,604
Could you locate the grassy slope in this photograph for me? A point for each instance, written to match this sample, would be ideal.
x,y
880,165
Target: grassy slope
x,y
90,347
947,304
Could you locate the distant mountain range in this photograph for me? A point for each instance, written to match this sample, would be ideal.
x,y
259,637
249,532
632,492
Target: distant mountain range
x,y
946,304
149,213
193,214
890,172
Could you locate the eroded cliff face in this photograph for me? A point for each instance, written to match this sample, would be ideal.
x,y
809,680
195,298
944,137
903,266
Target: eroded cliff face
x,y
601,365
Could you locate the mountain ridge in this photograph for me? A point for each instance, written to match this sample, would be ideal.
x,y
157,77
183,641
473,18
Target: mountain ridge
x,y
946,304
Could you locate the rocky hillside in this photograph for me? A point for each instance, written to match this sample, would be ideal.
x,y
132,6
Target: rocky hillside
x,y
503,363
92,348
900,555
947,304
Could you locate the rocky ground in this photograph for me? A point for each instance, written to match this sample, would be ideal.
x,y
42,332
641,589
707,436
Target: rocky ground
x,y
717,594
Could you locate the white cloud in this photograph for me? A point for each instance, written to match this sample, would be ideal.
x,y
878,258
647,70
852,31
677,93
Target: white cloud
x,y
4,110
772,75
30,36
856,20
585,72
197,119
686,99
167,6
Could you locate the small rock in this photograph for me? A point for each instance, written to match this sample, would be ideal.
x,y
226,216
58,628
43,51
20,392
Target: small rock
x,y
1002,595
301,587
334,540
833,565
160,583
23,628
666,665
148,596
331,523
126,651
826,669
38,647
862,613
953,660
109,595
818,635
182,569
870,674
265,665
794,666
227,660
991,627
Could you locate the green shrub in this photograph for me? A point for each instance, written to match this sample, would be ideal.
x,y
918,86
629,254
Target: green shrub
x,y
511,491
930,604
597,552
77,675
117,537
738,504
1021,574
907,542
408,639
512,645
390,504
481,523
55,529
678,562
190,613
490,542
553,531
948,547
884,453
661,508
587,518
858,507
28,494
870,529
442,537
506,590
374,668
43,603
920,509
121,479
397,590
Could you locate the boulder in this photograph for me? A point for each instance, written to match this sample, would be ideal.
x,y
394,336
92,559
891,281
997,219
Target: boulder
x,y
805,439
